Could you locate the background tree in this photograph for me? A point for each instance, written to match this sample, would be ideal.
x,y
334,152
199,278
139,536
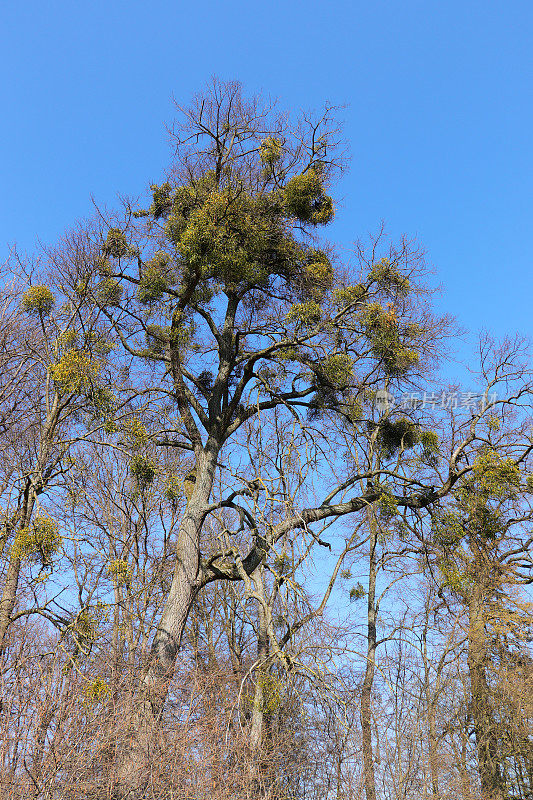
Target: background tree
x,y
485,556
55,391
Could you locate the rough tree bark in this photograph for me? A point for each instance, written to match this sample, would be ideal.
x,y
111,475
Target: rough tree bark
x,y
258,708
368,680
492,783
133,767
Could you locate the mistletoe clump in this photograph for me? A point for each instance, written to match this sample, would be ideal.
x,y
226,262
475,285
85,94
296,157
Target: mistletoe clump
x,y
85,627
23,544
161,200
109,292
317,275
430,441
454,578
75,371
38,542
352,409
155,279
103,402
67,338
281,564
96,691
357,592
135,432
308,313
103,266
116,244
99,342
305,199
287,354
389,278
143,471
178,205
349,295
495,477
381,327
486,522
394,435
120,571
270,150
430,446
319,266
387,506
181,335
493,482
173,488
337,370
38,300
448,528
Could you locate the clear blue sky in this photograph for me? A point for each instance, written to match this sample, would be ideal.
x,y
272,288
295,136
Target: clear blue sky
x,y
439,119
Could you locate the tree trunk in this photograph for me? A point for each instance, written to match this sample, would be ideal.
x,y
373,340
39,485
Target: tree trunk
x,y
433,750
255,789
368,681
144,734
9,596
9,593
431,721
492,784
